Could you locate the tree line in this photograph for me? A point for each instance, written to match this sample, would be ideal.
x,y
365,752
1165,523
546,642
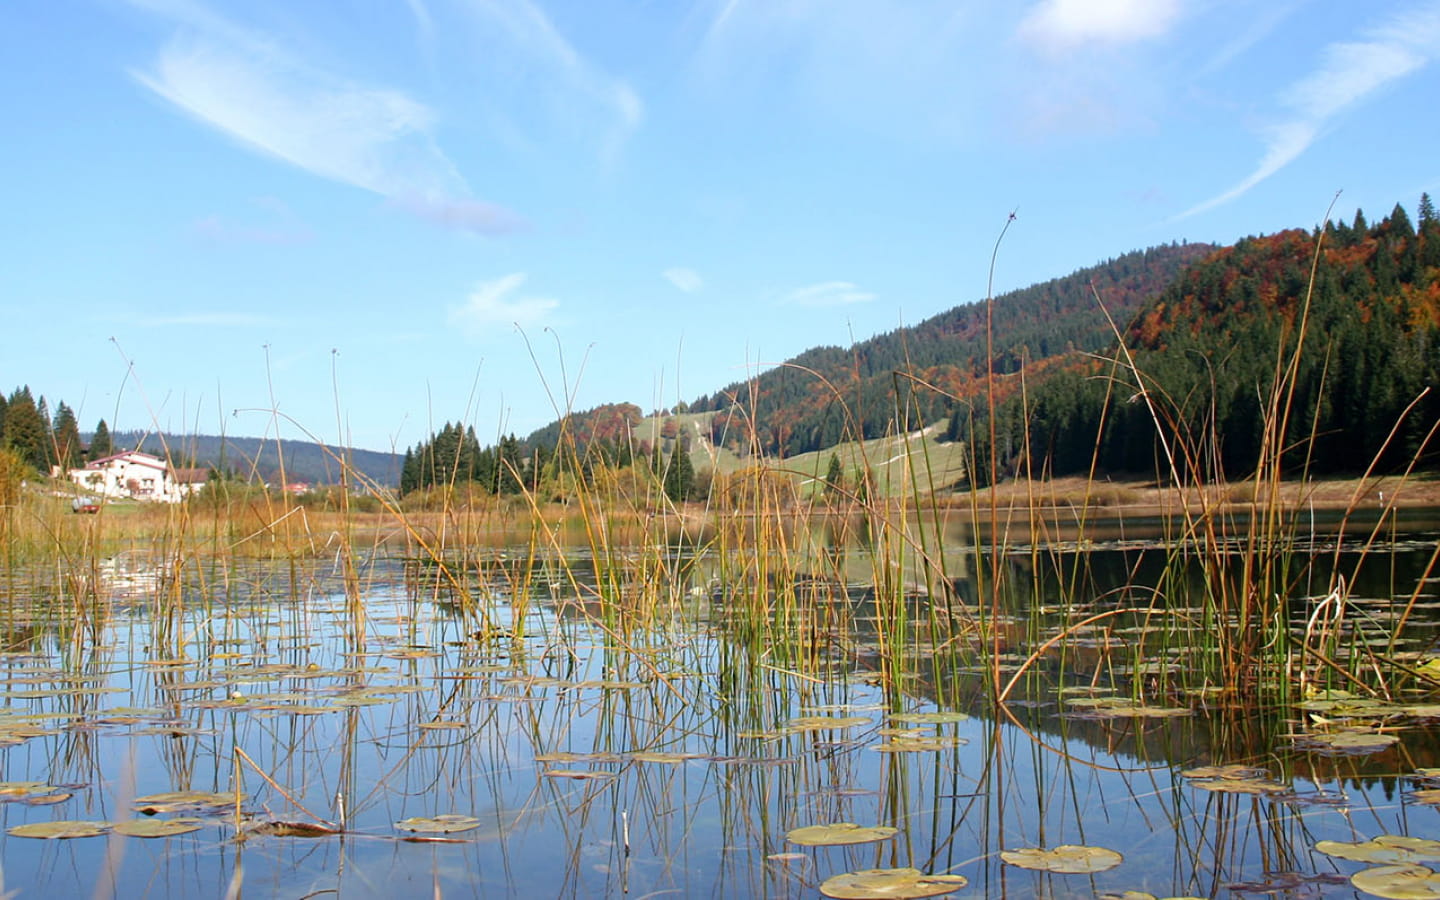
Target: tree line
x,y
1207,352
43,441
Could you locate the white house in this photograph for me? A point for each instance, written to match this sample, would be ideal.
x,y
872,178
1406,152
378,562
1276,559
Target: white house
x,y
139,476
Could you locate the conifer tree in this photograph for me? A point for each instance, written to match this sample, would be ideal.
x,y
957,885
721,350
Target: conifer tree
x,y
26,431
834,477
100,446
67,448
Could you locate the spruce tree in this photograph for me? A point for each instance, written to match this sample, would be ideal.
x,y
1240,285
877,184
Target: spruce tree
x,y
67,449
26,431
834,477
100,446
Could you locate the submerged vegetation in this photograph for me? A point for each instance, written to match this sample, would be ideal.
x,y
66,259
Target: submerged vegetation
x,y
902,666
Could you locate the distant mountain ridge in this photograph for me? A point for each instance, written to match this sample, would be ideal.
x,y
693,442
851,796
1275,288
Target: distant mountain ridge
x,y
829,394
305,461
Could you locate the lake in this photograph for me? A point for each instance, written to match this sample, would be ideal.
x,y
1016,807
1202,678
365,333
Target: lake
x,y
659,722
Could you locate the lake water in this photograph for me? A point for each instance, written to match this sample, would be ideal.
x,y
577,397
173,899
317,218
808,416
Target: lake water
x,y
663,751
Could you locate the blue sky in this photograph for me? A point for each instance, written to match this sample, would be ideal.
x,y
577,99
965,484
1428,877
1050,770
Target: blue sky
x,y
358,212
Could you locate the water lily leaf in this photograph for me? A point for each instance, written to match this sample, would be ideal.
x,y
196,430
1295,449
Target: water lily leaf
x,y
1235,771
920,743
1138,895
1349,742
569,756
929,718
1067,859
839,833
1240,785
1428,796
442,725
818,723
1387,848
880,883
1408,882
444,823
576,774
20,790
176,801
157,828
657,756
292,829
65,828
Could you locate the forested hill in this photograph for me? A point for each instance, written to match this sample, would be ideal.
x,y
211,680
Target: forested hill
x,y
1209,348
245,457
829,394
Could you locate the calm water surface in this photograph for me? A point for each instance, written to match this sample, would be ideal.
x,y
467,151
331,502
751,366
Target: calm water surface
x,y
664,755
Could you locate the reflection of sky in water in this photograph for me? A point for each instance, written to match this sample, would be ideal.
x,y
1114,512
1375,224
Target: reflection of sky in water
x,y
407,714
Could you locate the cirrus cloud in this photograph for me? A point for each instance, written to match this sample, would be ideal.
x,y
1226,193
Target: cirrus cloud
x,y
1065,24
829,293
687,280
499,303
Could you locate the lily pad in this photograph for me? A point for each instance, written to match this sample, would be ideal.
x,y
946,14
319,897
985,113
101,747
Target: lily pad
x,y
177,801
1408,882
65,828
839,833
818,723
920,743
929,718
1387,848
1067,859
1348,742
890,883
21,790
1240,786
445,823
1234,771
157,828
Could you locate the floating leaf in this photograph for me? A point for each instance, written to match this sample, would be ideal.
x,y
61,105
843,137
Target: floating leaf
x,y
444,823
899,883
818,723
576,774
176,801
157,828
1139,895
656,756
1236,771
839,833
1067,859
906,743
22,790
1398,882
929,718
294,829
65,828
1387,848
1348,742
1240,785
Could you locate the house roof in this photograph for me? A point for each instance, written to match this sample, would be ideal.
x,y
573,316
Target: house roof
x,y
133,456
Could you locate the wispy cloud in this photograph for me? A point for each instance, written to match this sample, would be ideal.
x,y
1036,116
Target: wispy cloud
x,y
686,280
828,293
1066,24
1350,73
518,39
374,138
881,66
498,303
